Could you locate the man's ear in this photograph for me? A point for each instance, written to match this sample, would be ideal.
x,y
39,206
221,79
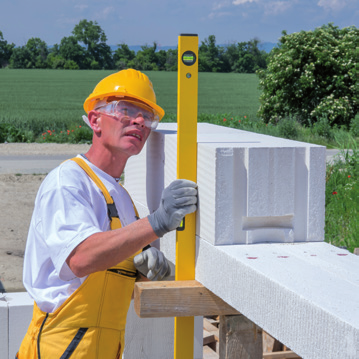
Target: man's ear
x,y
95,121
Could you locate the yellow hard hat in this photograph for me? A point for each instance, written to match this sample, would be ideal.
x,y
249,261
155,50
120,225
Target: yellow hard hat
x,y
129,83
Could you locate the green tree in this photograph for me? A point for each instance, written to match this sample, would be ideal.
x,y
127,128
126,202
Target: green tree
x,y
209,56
230,58
97,54
32,55
54,59
38,53
20,58
146,58
244,57
161,57
312,75
71,50
122,56
5,51
171,60
250,58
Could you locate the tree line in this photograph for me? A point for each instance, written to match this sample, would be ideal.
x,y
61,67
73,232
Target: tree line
x,y
86,48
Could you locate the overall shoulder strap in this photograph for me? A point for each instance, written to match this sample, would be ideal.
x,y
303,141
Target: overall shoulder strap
x,y
111,207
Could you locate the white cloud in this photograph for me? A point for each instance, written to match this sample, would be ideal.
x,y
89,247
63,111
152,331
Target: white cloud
x,y
271,7
240,2
334,5
277,7
220,4
105,12
108,10
81,7
216,9
68,20
213,15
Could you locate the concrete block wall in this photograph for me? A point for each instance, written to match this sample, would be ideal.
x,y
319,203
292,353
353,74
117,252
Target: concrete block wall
x,y
15,316
252,188
260,232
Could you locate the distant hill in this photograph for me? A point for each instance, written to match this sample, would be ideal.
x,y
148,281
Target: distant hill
x,y
266,46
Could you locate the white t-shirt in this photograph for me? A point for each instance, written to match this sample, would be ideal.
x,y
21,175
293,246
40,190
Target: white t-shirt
x,y
69,207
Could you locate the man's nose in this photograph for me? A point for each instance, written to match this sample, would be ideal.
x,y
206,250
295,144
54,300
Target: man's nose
x,y
138,120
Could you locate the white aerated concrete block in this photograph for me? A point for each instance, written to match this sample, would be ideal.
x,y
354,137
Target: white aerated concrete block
x,y
304,294
148,338
4,330
252,188
15,316
154,337
20,314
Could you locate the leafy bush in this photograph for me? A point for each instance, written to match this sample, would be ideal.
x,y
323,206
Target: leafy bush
x,y
71,65
11,133
76,134
288,129
322,128
311,75
354,126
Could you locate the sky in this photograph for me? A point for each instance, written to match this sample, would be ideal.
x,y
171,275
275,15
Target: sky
x,y
141,22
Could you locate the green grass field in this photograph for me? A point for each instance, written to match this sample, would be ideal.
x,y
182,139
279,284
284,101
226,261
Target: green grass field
x,y
52,99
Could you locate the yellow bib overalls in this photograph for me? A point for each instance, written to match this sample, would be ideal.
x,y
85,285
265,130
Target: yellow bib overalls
x,y
91,322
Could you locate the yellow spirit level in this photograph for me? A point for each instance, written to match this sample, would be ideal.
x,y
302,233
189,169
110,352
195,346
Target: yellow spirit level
x,y
187,105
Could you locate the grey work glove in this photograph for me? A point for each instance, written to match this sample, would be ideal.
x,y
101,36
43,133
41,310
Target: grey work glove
x,y
178,199
153,264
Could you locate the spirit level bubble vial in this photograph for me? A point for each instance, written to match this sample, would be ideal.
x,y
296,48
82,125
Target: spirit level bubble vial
x,y
187,107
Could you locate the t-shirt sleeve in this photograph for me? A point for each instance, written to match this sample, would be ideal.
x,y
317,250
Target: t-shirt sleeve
x,y
67,218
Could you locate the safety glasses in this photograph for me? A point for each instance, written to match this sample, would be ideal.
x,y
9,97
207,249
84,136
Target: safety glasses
x,y
125,110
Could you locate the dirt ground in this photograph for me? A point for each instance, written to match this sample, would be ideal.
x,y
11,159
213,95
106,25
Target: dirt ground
x,y
17,196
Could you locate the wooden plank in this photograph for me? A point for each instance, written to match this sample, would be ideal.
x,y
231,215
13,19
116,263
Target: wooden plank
x,y
208,353
208,337
271,344
177,299
281,355
207,325
239,338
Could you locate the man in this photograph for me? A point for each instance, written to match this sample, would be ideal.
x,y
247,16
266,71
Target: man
x,y
85,240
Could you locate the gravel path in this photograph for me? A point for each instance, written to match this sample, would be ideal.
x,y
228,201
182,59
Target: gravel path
x,y
32,149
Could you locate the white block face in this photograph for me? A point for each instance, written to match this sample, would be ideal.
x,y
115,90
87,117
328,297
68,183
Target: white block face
x,y
153,337
252,188
290,290
20,314
4,332
148,338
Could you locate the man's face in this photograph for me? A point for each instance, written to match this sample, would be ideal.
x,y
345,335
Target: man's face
x,y
123,133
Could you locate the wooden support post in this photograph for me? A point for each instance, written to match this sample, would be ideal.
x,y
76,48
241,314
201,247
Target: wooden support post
x,y
239,338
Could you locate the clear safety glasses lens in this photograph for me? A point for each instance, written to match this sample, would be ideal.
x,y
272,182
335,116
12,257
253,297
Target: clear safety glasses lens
x,y
125,110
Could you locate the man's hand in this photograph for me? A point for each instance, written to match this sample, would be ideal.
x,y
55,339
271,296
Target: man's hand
x,y
178,199
153,264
